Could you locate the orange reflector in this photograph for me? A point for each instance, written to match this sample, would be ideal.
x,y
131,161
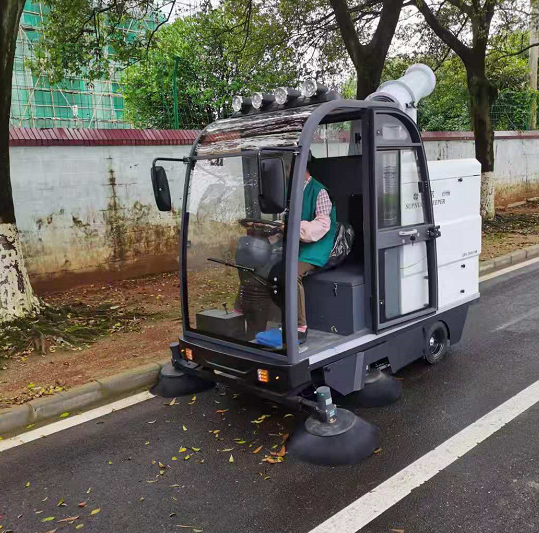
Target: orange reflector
x,y
189,354
263,375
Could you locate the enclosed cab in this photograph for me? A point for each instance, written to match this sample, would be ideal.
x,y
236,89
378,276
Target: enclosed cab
x,y
403,271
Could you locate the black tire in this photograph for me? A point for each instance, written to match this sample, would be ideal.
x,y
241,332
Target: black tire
x,y
436,343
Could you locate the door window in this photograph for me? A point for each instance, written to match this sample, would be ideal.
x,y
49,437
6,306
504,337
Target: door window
x,y
400,189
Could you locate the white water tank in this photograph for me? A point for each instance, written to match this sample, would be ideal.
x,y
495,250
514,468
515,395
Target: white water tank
x,y
417,83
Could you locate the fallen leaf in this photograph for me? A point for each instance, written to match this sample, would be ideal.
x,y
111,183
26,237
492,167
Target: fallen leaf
x,y
378,450
195,449
227,450
64,415
82,504
173,401
30,426
89,490
52,530
79,526
95,511
175,485
60,503
141,498
186,458
110,462
161,472
182,449
198,530
27,484
69,519
258,449
151,481
239,441
281,452
171,515
231,460
184,428
222,411
288,415
285,437
397,530
48,519
45,499
193,400
161,465
185,527
174,458
152,422
147,442
216,431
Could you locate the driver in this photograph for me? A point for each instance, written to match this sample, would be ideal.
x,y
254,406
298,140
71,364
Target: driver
x,y
317,233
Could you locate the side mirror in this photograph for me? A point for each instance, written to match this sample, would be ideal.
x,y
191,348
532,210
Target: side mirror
x,y
161,189
272,186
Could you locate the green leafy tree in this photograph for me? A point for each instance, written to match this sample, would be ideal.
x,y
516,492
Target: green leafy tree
x,y
80,35
475,30
215,59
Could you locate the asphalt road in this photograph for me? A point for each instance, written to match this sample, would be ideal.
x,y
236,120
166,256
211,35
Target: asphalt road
x,y
107,463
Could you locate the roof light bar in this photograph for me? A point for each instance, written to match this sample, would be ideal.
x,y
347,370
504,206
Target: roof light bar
x,y
312,88
240,103
284,94
262,99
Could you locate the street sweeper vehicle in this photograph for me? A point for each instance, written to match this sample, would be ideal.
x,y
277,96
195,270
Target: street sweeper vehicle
x,y
394,283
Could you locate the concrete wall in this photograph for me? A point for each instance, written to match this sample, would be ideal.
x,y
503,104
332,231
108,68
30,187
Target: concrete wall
x,y
516,160
87,213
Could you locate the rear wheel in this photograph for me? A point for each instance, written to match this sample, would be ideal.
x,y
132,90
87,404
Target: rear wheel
x,y
437,339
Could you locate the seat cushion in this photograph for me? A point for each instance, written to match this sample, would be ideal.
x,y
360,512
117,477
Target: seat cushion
x,y
351,274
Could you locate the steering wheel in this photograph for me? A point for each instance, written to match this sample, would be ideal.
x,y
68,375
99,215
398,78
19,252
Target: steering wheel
x,y
268,227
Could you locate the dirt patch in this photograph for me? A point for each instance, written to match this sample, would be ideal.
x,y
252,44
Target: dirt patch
x,y
154,300
511,229
28,374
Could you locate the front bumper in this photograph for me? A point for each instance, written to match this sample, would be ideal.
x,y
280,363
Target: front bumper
x,y
240,370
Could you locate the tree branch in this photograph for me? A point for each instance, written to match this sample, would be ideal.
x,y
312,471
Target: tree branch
x,y
348,31
463,51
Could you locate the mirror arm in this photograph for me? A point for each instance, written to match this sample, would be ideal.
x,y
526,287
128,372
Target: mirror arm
x,y
184,160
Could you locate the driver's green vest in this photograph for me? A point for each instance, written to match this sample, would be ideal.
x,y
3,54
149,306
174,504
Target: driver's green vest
x,y
316,253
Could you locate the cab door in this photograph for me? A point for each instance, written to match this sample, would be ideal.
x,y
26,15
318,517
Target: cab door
x,y
404,235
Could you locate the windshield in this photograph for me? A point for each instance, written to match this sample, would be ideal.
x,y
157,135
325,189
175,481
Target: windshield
x,y
277,128
235,285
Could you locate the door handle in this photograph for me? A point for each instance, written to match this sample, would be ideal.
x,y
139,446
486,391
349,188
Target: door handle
x,y
408,233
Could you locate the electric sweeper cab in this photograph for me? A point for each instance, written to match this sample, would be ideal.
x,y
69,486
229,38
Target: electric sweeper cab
x,y
402,272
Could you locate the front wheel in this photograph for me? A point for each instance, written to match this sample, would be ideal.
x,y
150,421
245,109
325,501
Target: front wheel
x,y
437,340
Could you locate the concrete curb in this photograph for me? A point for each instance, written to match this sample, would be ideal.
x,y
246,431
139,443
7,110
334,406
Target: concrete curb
x,y
518,256
51,407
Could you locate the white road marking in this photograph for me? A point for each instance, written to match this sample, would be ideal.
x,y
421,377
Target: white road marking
x,y
526,316
368,507
511,268
66,423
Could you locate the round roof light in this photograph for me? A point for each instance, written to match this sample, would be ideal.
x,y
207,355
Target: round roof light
x,y
311,88
262,99
239,103
283,95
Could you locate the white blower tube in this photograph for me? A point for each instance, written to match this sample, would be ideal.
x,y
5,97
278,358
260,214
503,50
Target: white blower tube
x,y
417,83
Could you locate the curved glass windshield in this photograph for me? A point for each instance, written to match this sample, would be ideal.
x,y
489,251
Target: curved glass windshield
x,y
234,258
249,132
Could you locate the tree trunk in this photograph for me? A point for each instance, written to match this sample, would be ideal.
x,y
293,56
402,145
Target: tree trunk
x,y
16,296
533,59
482,96
368,79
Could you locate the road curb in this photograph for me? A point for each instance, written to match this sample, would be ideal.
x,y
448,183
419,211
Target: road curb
x,y
45,409
518,256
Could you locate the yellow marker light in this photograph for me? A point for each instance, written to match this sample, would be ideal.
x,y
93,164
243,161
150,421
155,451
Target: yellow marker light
x,y
263,375
189,354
